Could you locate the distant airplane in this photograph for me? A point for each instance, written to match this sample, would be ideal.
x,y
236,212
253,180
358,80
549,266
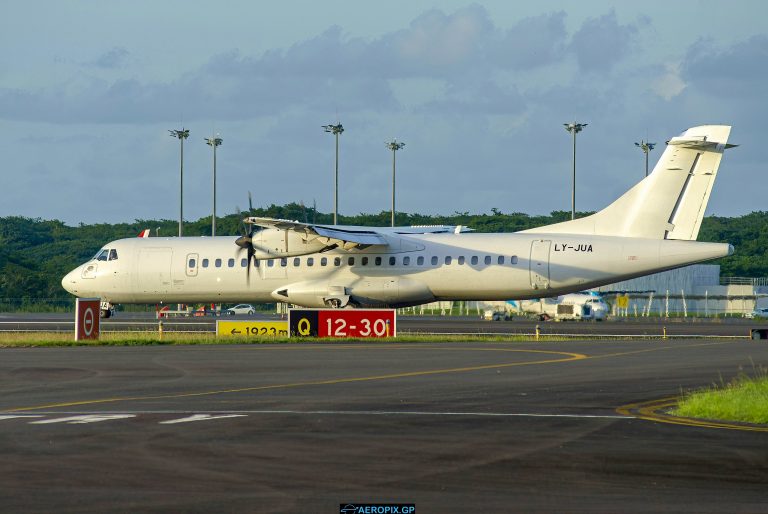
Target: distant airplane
x,y
651,228
573,306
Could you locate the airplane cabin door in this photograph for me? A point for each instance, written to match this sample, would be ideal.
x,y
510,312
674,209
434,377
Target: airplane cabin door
x,y
154,270
539,264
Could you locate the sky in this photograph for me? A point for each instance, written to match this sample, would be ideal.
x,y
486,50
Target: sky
x,y
478,92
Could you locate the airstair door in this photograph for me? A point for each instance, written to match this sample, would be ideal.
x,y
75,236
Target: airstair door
x,y
539,264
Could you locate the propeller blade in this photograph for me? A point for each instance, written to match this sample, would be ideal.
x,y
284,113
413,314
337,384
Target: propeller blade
x,y
251,253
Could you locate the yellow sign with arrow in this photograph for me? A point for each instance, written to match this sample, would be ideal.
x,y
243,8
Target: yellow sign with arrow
x,y
251,328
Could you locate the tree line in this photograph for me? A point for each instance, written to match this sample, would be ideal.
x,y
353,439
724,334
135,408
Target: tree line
x,y
35,254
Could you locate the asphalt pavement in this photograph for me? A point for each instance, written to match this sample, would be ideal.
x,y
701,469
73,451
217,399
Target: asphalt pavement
x,y
626,326
459,427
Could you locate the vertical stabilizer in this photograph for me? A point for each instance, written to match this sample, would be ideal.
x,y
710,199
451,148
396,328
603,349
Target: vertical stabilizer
x,y
670,202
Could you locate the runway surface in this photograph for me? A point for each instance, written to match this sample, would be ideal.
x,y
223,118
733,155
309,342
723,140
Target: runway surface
x,y
652,327
481,427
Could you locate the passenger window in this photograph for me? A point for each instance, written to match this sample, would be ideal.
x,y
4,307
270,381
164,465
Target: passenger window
x,y
324,261
378,261
231,263
270,263
218,263
243,263
113,255
310,261
513,259
434,260
392,261
205,263
337,261
191,263
461,260
487,259
296,262
474,260
365,261
501,259
103,255
351,261
448,260
283,262
420,260
256,263
406,261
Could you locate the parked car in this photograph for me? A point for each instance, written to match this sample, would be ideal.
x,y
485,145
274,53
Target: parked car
x,y
757,313
241,308
493,315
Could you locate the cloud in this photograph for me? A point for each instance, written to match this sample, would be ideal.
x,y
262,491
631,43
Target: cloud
x,y
533,42
740,69
668,82
601,42
114,58
439,44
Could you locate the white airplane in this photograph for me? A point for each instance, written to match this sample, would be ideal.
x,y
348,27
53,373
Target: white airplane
x,y
651,228
573,306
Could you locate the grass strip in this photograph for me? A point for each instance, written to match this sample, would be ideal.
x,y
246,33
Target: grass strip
x,y
63,339
743,399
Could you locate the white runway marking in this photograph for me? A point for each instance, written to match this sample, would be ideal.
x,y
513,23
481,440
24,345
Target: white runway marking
x,y
16,416
201,417
79,420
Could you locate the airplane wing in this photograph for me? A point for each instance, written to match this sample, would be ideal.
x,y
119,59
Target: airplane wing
x,y
346,238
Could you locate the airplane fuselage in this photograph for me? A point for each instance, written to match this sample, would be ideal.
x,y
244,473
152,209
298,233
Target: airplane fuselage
x,y
411,269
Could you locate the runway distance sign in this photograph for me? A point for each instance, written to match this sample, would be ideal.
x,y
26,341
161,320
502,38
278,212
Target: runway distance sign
x,y
87,312
343,323
251,328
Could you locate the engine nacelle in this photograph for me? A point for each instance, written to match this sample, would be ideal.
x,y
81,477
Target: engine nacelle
x,y
272,243
374,292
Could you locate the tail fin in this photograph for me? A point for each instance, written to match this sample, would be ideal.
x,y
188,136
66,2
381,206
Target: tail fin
x,y
670,202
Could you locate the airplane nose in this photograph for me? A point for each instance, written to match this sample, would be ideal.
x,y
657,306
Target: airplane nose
x,y
69,282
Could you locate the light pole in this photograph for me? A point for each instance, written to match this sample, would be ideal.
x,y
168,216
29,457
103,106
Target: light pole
x,y
335,130
645,147
574,128
182,135
214,142
394,145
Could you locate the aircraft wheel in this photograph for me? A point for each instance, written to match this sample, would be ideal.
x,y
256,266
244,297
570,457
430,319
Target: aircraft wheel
x,y
104,313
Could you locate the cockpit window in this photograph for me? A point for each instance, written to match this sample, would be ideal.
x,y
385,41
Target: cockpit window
x,y
113,255
103,255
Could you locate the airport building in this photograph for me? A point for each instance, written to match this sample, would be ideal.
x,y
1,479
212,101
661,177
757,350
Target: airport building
x,y
696,290
693,291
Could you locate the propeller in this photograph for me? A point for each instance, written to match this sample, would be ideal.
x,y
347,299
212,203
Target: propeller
x,y
245,241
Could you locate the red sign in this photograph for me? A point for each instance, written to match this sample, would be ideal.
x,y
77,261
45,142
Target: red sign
x,y
351,323
87,318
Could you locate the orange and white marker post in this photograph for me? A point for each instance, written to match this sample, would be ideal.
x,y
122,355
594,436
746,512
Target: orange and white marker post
x,y
87,318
